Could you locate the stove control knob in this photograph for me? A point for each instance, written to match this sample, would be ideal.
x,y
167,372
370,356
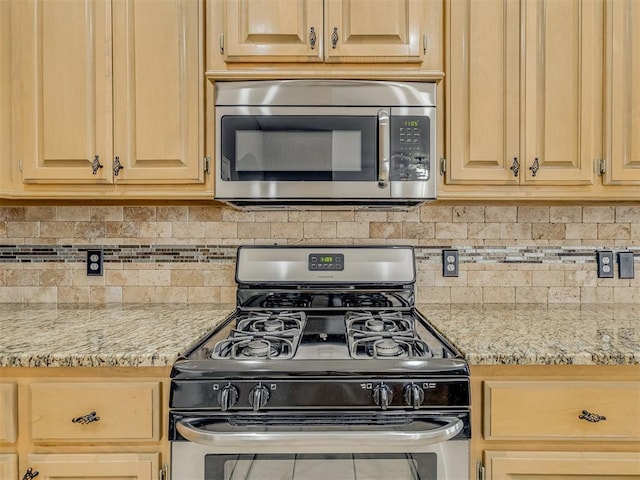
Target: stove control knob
x,y
227,397
258,397
413,395
382,396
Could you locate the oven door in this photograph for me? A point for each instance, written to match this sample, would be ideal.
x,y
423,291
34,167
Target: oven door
x,y
302,152
431,447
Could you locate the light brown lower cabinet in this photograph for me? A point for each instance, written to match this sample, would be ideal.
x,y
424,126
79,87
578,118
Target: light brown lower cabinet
x,y
521,465
83,423
555,422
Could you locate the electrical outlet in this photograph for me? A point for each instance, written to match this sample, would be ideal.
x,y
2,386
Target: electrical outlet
x,y
450,263
625,265
94,262
605,263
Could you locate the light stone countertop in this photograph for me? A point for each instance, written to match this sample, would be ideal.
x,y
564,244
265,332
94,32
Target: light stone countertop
x,y
154,335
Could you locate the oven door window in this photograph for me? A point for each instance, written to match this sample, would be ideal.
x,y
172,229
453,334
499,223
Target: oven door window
x,y
299,148
422,466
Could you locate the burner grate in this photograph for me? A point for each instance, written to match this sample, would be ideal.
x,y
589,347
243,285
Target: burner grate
x,y
366,300
383,335
262,335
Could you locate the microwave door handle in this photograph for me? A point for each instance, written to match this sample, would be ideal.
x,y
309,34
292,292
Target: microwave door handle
x,y
383,148
322,439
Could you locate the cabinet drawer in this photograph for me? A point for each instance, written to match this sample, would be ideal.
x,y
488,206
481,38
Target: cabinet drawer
x,y
8,412
551,410
127,411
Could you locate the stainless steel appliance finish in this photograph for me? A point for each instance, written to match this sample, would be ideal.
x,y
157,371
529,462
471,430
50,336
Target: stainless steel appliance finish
x,y
325,366
309,143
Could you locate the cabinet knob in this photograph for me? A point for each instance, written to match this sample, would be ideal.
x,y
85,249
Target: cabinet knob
x,y
117,166
96,165
85,419
535,167
312,38
30,474
591,417
334,37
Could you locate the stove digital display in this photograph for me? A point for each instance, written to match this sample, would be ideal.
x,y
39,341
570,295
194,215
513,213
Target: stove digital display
x,y
326,261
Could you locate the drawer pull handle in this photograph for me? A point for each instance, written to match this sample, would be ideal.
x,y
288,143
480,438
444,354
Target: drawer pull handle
x,y
88,418
591,417
30,475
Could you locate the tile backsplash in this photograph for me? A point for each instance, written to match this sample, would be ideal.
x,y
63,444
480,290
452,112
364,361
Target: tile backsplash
x,y
178,254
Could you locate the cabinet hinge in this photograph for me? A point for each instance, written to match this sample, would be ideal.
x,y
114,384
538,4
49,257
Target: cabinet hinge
x,y
207,164
425,43
443,165
222,43
479,471
20,165
601,166
162,473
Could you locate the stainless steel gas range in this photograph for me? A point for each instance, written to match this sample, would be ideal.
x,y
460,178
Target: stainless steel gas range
x,y
325,369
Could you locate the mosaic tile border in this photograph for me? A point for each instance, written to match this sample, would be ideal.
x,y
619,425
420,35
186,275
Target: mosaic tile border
x,y
203,253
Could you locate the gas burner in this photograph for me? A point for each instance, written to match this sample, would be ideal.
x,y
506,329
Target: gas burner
x,y
287,300
387,347
258,348
366,300
383,334
262,335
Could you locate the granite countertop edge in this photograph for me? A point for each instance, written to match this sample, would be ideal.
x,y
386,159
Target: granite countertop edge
x,y
155,335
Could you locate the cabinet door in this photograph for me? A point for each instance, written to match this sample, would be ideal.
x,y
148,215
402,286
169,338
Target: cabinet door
x,y
623,92
380,31
101,466
5,97
8,466
8,413
483,91
64,93
503,465
273,31
158,91
563,90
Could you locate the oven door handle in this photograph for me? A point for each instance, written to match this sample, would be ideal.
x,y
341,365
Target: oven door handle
x,y
364,438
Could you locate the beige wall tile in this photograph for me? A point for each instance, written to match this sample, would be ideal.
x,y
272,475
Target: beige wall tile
x,y
56,277
201,214
433,295
12,214
581,231
21,277
548,278
385,230
113,214
468,214
411,230
628,214
172,294
433,213
515,230
254,230
73,294
287,230
501,214
320,230
352,229
41,214
451,230
483,230
626,295
155,229
499,278
121,277
598,214
337,216
122,229
192,230
23,229
466,295
89,230
105,294
564,295
139,214
548,231
75,213
580,278
3,229
187,278
11,294
154,277
533,214
139,295
55,229
304,216
614,231
410,216
367,216
532,294
203,295
221,230
40,294
565,214
499,295
174,214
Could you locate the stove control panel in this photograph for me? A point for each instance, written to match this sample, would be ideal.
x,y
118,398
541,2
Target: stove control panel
x,y
326,261
331,393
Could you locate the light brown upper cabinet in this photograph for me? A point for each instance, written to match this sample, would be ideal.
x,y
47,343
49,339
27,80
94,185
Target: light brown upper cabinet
x,y
109,92
324,31
5,98
622,129
524,91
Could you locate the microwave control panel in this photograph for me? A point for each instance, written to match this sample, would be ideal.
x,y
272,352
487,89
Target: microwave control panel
x,y
410,145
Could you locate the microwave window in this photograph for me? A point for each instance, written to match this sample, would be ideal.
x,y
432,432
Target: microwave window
x,y
276,151
299,148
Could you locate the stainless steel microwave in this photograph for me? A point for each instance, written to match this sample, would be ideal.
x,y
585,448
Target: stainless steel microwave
x,y
306,143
